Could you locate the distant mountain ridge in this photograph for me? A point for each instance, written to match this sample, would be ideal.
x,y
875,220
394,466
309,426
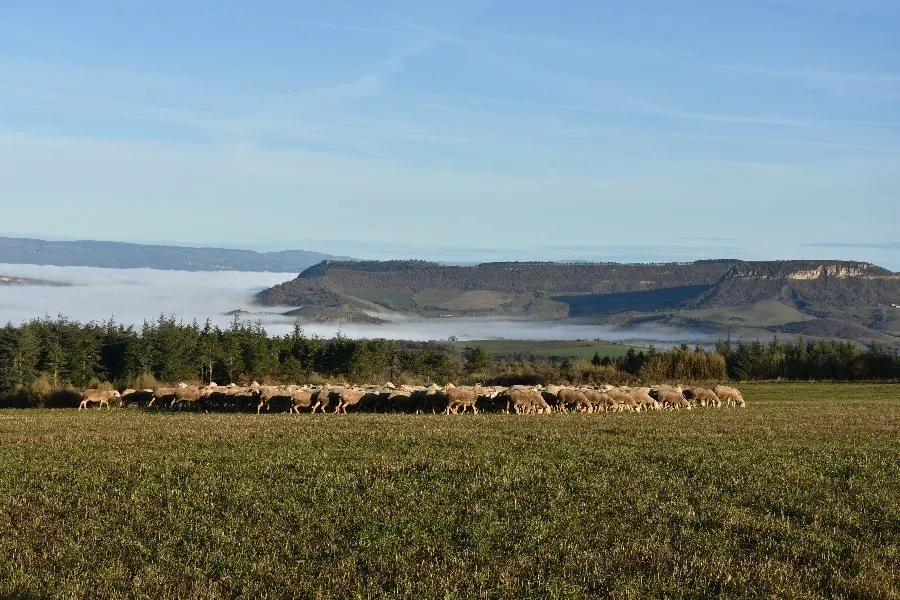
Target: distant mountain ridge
x,y
122,255
804,296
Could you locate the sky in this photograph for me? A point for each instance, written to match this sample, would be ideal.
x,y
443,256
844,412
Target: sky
x,y
466,130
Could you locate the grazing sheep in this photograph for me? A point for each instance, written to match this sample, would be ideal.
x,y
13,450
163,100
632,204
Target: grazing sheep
x,y
644,399
323,398
349,397
524,400
191,396
600,401
572,397
461,397
670,397
623,400
730,396
704,397
101,397
274,395
301,398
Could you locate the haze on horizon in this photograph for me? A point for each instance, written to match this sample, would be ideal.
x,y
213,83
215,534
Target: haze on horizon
x,y
465,131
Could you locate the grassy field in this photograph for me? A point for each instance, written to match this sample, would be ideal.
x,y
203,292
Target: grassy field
x,y
759,314
794,497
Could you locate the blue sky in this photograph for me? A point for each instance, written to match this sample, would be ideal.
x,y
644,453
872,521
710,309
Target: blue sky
x,y
465,130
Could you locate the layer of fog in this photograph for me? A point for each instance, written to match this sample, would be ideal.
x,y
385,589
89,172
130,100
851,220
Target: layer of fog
x,y
132,296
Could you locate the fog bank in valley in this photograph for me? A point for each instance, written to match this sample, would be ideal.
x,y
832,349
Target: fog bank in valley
x,y
132,296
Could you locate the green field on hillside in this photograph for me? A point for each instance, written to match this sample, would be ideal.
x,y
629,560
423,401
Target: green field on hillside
x,y
792,497
758,314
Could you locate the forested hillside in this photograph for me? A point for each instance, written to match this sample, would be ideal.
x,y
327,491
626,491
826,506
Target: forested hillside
x,y
118,255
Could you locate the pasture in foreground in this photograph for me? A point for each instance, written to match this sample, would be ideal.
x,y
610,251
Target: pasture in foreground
x,y
793,497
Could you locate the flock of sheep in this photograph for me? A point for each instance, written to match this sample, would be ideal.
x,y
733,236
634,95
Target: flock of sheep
x,y
448,399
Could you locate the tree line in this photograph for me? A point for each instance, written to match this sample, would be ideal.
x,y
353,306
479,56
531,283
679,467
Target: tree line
x,y
46,354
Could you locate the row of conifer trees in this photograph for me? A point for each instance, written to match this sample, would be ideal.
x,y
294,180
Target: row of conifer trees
x,y
52,353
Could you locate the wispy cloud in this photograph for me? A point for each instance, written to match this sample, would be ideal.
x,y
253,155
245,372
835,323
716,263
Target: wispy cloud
x,y
258,17
375,80
877,7
665,111
813,74
18,32
874,245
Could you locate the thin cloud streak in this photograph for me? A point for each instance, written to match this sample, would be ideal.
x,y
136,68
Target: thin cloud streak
x,y
258,18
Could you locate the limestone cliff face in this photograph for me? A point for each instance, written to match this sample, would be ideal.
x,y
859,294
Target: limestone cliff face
x,y
803,270
834,271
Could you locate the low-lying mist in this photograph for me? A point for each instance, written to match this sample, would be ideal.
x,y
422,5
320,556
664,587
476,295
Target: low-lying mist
x,y
132,296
